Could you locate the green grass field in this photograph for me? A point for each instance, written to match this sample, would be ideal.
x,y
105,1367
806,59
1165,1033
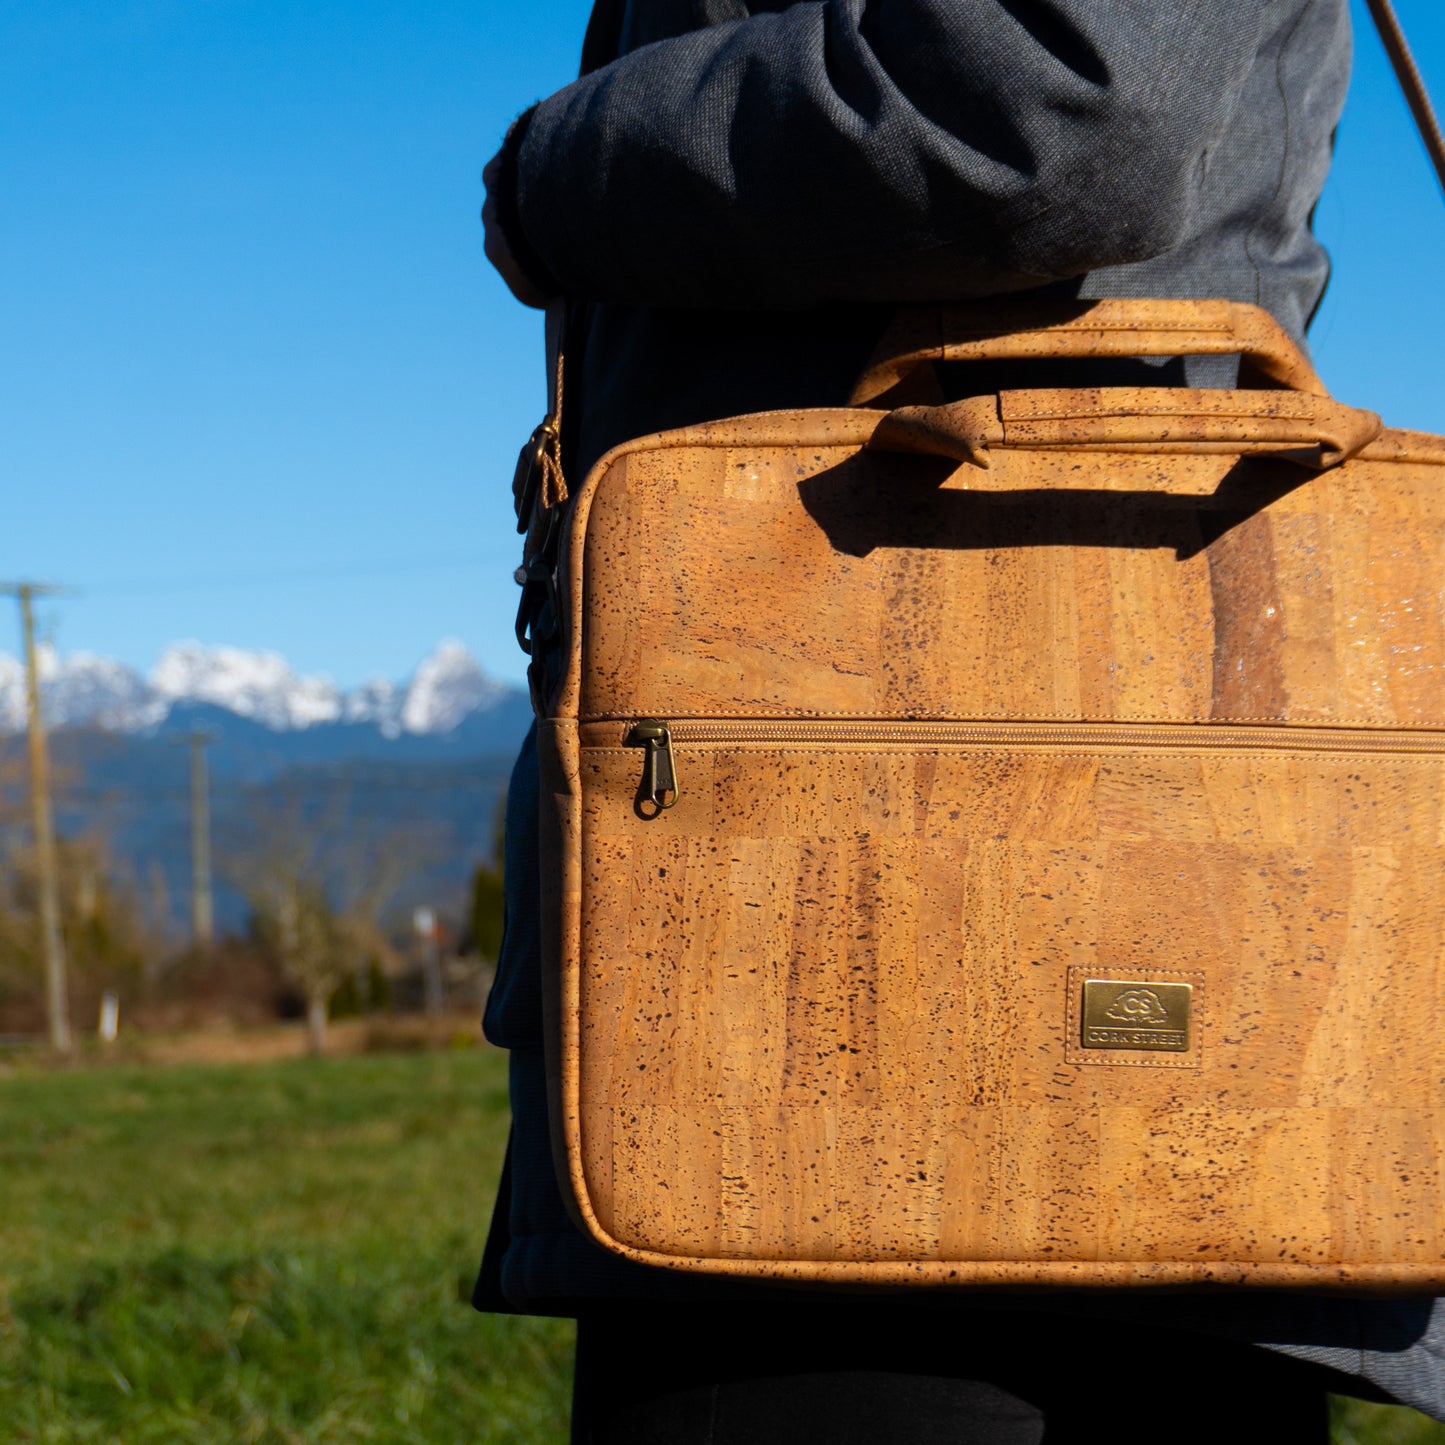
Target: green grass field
x,y
281,1252
266,1253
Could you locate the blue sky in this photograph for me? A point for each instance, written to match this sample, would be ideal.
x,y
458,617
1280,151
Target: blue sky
x,y
258,385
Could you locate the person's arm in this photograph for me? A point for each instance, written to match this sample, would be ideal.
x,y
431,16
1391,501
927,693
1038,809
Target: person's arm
x,y
505,242
879,149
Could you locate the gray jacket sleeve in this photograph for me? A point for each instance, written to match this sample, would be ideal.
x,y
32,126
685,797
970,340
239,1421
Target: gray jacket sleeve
x,y
883,149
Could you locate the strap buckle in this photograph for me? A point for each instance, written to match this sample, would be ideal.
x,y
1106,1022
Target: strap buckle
x,y
531,467
537,577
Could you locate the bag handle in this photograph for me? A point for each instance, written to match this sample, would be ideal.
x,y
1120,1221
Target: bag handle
x,y
1312,431
1033,330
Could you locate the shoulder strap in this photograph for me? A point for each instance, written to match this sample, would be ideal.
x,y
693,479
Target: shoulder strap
x,y
1408,74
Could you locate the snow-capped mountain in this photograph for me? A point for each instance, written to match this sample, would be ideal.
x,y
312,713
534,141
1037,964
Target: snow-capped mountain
x,y
84,690
83,687
447,687
258,685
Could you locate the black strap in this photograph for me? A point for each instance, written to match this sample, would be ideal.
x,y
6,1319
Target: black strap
x,y
1408,74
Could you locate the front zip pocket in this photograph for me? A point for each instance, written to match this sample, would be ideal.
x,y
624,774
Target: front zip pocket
x,y
897,976
660,786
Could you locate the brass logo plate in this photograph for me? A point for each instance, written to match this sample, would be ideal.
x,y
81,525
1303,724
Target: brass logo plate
x,y
1133,1014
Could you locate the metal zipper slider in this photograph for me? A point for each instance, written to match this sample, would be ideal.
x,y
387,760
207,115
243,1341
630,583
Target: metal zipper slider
x,y
659,767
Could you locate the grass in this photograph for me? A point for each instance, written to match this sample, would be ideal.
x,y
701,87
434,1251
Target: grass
x,y
281,1252
1355,1422
267,1253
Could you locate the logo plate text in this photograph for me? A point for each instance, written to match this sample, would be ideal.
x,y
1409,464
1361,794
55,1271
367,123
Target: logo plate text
x,y
1130,1014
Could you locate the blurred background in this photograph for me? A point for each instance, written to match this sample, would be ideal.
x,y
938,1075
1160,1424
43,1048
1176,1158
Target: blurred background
x,y
261,401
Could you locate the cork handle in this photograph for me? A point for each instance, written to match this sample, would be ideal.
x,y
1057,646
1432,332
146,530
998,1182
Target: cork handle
x,y
1311,431
1014,331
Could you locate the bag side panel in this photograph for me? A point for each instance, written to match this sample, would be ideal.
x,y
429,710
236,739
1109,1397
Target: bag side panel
x,y
560,838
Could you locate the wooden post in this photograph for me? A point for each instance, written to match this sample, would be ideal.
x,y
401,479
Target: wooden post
x,y
52,944
203,924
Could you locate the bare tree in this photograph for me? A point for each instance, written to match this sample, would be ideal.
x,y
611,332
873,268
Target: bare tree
x,y
310,940
317,883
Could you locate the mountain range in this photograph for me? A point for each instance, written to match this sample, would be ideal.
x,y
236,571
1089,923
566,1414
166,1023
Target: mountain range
x,y
87,690
419,764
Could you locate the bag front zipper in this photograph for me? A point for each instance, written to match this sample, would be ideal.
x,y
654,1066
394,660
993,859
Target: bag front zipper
x,y
659,768
660,773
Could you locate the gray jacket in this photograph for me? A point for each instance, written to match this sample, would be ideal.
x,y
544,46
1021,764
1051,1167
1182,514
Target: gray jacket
x,y
737,192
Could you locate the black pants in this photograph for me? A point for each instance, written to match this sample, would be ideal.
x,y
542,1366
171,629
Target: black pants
x,y
844,1374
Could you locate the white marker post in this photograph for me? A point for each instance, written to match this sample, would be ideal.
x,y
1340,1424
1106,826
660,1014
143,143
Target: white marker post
x,y
424,921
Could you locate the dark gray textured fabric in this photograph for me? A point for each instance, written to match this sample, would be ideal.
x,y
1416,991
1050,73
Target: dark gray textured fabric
x,y
739,195
938,148
735,199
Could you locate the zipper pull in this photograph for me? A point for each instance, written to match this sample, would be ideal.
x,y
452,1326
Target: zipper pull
x,y
659,767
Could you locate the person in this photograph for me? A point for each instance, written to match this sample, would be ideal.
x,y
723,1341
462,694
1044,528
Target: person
x,y
733,197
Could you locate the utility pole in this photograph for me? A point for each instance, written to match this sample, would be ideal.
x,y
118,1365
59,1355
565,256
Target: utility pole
x,y
52,945
203,918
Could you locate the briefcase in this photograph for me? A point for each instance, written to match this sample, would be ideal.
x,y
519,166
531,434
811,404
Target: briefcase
x,y
1000,842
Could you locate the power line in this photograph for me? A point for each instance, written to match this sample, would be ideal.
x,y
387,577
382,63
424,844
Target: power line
x,y
228,793
282,577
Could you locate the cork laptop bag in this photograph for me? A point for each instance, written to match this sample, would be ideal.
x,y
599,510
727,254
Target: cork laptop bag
x,y
1002,842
